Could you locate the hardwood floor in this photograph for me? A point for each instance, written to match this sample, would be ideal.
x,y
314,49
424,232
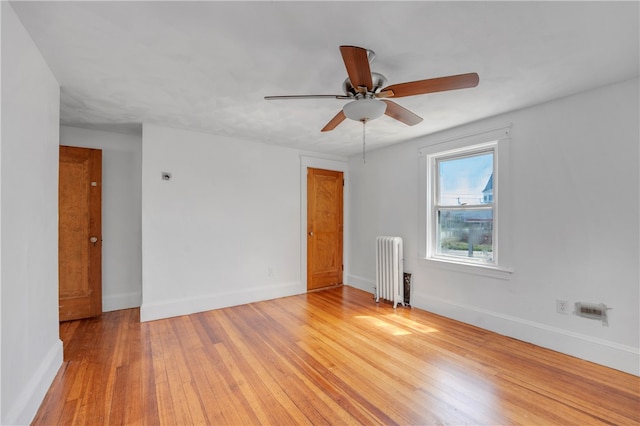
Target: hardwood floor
x,y
328,357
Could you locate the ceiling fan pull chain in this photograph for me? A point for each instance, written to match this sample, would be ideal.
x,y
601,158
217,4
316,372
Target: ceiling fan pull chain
x,y
364,159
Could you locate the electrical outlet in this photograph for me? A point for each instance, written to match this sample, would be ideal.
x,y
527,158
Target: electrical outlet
x,y
562,307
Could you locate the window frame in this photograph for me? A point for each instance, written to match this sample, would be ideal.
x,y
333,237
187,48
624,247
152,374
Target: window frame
x,y
496,141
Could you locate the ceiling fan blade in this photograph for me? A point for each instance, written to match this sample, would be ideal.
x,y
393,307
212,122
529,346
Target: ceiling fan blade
x,y
356,61
401,114
432,85
272,98
339,118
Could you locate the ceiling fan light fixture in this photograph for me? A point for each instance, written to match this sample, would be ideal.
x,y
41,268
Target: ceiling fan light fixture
x,y
364,109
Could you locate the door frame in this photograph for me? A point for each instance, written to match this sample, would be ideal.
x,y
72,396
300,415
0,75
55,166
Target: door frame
x,y
334,165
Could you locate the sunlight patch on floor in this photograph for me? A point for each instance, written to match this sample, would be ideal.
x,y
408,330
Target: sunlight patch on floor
x,y
383,325
416,326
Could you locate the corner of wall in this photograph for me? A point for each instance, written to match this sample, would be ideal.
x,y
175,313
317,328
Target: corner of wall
x,y
31,356
29,401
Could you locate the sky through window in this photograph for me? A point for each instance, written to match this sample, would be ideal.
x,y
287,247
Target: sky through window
x,y
462,180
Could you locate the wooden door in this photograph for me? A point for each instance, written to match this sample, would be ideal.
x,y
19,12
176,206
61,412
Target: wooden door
x,y
80,233
324,228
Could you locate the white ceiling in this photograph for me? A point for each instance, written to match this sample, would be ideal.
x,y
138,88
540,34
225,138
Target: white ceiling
x,y
206,66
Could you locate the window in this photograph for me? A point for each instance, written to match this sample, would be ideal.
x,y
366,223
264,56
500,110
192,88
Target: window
x,y
464,201
463,204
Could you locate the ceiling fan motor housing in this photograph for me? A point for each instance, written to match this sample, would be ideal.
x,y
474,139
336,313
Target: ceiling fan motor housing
x,y
379,81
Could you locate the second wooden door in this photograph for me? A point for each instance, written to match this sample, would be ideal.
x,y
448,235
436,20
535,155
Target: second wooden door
x,y
80,233
324,228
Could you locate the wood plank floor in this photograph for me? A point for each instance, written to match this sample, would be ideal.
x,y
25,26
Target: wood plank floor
x,y
329,357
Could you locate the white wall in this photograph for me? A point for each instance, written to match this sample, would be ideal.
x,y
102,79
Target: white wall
x,y
229,215
575,208
2,8
121,212
31,348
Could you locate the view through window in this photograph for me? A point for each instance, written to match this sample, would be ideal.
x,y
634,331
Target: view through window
x,y
464,205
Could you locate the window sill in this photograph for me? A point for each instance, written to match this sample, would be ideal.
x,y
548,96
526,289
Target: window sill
x,y
467,268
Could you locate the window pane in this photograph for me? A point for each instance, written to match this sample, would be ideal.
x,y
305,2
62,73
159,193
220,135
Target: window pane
x,y
466,233
466,180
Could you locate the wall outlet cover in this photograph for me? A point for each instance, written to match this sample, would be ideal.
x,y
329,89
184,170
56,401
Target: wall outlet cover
x,y
562,307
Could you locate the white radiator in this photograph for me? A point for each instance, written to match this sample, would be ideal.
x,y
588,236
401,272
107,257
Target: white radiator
x,y
389,271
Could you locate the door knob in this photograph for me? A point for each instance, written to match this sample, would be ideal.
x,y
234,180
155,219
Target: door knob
x,y
311,233
94,240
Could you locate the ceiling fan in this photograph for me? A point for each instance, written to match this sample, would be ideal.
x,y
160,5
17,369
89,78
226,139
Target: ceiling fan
x,y
370,98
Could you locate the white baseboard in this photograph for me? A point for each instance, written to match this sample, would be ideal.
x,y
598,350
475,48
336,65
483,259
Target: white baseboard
x,y
603,352
173,308
362,283
115,302
28,403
